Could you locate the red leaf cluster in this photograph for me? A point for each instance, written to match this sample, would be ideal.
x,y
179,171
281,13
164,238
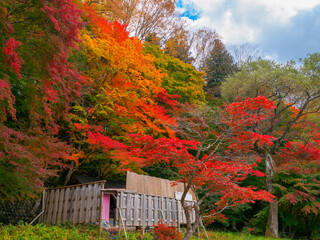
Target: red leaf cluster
x,y
164,232
11,57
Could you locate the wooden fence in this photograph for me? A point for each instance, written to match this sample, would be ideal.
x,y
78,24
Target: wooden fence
x,y
148,210
153,186
83,203
76,204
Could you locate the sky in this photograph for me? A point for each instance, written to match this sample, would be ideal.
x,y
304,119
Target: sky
x,y
282,29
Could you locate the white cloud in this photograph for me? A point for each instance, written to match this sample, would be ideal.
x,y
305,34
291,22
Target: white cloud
x,y
239,21
285,9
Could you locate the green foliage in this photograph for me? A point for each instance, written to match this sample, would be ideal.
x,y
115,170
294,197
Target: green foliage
x,y
13,184
299,203
135,236
259,221
78,232
277,81
181,78
42,231
124,90
230,236
217,65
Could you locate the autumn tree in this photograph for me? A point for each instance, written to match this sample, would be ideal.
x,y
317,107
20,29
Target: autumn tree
x,y
37,84
296,93
142,17
125,82
180,78
179,43
190,46
124,93
202,42
115,10
215,157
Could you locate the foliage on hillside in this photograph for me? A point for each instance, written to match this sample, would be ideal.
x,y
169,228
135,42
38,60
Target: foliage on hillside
x,y
81,94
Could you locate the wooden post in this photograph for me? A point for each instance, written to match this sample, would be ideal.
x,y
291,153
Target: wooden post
x,y
124,228
43,203
100,210
143,217
36,218
178,215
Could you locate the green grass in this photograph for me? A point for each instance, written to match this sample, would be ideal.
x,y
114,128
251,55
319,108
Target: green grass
x,y
42,231
78,232
230,236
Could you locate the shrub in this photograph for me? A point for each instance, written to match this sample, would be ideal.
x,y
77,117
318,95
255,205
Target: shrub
x,y
165,232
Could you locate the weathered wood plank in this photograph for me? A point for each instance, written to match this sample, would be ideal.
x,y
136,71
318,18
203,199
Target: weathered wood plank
x,y
51,202
70,204
149,214
156,210
94,205
144,211
75,206
174,213
51,206
136,210
121,206
168,210
55,206
153,186
88,206
82,204
129,207
60,205
66,205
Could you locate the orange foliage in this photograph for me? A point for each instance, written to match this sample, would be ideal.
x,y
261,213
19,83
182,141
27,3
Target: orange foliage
x,y
124,79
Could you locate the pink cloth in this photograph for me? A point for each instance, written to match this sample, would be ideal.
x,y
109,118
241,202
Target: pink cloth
x,y
106,207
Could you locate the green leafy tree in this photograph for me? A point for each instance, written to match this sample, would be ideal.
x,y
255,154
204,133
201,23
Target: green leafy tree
x,y
296,93
180,78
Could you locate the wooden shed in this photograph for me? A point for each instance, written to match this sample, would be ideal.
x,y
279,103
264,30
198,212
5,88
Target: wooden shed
x,y
142,202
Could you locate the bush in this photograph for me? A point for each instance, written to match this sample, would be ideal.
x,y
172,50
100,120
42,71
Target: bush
x,y
165,232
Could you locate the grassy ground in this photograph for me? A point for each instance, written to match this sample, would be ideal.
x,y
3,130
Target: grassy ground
x,y
231,236
71,232
42,231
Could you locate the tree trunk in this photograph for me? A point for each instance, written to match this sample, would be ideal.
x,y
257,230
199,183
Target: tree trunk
x,y
191,228
71,169
272,224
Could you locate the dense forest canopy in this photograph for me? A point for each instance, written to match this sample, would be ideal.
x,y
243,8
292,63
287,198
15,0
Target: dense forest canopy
x,y
99,87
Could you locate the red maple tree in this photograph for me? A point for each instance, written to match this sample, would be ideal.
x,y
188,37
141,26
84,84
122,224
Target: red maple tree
x,y
215,156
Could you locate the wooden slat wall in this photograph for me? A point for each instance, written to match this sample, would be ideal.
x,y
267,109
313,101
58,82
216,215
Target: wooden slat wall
x,y
153,186
147,210
76,204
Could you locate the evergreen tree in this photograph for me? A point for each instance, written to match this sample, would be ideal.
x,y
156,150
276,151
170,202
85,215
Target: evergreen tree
x,y
217,65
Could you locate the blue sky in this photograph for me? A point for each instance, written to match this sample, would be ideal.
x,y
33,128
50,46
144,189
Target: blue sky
x,y
283,29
